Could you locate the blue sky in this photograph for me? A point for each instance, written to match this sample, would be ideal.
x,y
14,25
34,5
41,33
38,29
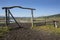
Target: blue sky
x,y
43,7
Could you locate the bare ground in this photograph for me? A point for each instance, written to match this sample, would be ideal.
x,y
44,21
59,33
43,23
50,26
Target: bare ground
x,y
29,34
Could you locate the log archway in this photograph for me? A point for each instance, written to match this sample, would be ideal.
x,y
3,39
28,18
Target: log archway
x,y
7,12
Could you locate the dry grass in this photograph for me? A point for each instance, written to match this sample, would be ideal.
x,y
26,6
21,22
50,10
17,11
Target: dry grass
x,y
47,32
48,28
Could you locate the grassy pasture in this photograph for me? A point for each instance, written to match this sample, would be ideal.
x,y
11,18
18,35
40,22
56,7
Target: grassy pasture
x,y
49,29
38,32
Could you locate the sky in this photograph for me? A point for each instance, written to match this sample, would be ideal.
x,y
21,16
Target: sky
x,y
43,7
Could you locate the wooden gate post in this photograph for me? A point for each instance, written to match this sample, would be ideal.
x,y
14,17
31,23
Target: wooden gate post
x,y
6,13
55,24
32,18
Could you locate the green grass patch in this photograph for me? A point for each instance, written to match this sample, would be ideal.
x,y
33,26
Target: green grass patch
x,y
48,28
3,30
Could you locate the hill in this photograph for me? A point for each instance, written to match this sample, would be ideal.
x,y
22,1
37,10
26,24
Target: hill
x,y
56,15
28,18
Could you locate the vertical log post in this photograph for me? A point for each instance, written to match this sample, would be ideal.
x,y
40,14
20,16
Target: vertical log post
x,y
55,24
6,13
8,18
32,18
45,20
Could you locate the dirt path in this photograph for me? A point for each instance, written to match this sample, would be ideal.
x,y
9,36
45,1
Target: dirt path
x,y
29,34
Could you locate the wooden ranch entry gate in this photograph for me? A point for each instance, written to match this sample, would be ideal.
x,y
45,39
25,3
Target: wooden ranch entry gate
x,y
8,14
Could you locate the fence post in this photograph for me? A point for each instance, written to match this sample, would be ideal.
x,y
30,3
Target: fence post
x,y
6,16
55,24
32,17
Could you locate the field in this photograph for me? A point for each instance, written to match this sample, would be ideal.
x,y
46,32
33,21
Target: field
x,y
36,33
43,29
